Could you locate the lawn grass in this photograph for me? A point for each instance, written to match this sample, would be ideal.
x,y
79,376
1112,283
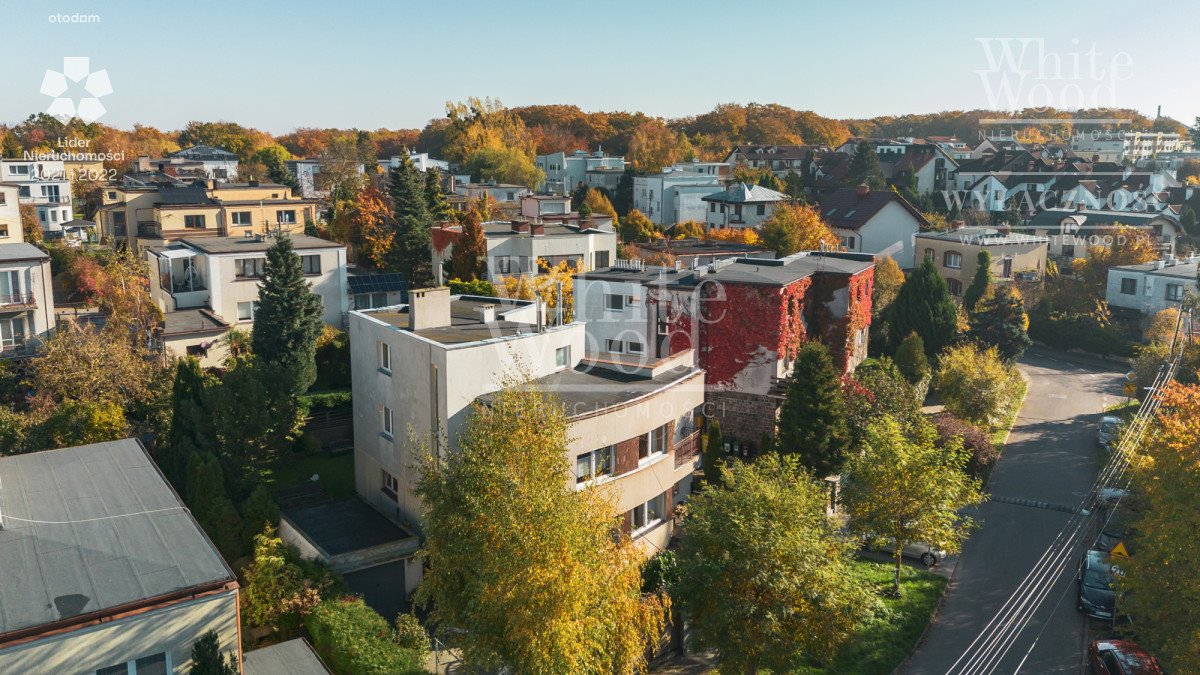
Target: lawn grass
x,y
889,636
336,472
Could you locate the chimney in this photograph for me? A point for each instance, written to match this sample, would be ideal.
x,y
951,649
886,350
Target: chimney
x,y
520,227
537,229
143,163
428,308
253,183
862,190
487,313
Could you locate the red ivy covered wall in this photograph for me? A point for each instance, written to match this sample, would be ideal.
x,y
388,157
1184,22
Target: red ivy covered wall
x,y
836,326
741,321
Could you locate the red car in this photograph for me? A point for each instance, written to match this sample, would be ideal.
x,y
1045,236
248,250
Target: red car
x,y
1121,657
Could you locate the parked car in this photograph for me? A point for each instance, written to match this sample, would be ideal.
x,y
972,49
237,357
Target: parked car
x,y
1120,657
1097,579
927,554
1108,431
1109,497
1115,530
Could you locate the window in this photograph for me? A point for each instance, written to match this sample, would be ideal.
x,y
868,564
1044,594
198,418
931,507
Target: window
x,y
955,286
656,443
614,303
42,216
387,422
1129,286
1174,292
637,517
601,260
952,260
194,222
112,195
1006,268
1068,250
240,218
311,263
3,199
761,209
594,464
712,207
246,310
511,196
654,510
929,254
54,216
390,486
370,300
634,347
19,170
614,346
385,357
644,515
503,264
848,243
12,332
562,357
285,217
249,268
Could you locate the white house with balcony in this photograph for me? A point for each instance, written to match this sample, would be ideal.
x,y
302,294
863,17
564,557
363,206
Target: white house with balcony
x,y
741,205
207,285
43,184
674,196
26,296
567,171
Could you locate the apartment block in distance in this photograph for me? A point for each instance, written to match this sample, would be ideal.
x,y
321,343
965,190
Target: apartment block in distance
x,y
422,366
105,570
156,214
207,285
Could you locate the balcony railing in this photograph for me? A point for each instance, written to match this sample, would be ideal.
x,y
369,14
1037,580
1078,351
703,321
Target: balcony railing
x,y
18,350
54,199
18,300
687,448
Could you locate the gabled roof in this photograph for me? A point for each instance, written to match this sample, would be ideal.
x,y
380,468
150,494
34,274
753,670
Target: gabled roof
x,y
91,529
745,194
848,210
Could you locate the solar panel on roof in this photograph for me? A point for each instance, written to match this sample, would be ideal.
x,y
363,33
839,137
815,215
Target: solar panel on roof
x,y
377,283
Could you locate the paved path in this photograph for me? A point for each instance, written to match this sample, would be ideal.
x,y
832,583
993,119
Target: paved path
x,y
1047,468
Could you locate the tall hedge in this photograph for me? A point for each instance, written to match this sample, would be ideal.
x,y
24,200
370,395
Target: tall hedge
x,y
354,639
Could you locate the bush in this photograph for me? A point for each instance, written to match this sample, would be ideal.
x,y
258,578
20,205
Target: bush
x,y
1077,331
410,634
333,360
476,287
976,385
354,639
974,439
326,400
307,444
910,359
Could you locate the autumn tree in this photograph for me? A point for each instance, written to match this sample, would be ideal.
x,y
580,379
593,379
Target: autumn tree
x,y
877,389
812,420
652,146
764,575
976,384
636,227
491,142
277,593
74,423
1160,588
597,202
923,305
903,488
911,359
888,279
546,288
1000,321
796,227
1126,246
864,168
1161,329
688,229
31,229
470,250
370,227
980,283
580,607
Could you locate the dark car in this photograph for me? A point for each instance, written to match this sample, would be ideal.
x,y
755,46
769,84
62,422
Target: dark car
x,y
1098,585
1115,531
1120,657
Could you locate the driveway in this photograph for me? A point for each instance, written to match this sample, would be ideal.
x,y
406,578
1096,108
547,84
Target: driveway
x,y
1048,467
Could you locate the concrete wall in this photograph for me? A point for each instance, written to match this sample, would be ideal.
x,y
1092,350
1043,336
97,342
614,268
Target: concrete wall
x,y
1150,291
604,324
226,290
1025,257
172,630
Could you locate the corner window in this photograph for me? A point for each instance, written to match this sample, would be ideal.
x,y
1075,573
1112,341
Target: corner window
x,y
385,357
193,222
387,422
311,263
952,260
1129,286
562,357
594,464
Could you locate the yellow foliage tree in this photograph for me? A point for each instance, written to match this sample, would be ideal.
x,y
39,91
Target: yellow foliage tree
x,y
689,229
1162,327
796,227
599,203
545,287
736,235
1124,246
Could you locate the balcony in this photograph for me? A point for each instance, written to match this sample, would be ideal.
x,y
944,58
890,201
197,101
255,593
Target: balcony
x,y
43,201
18,350
17,302
688,448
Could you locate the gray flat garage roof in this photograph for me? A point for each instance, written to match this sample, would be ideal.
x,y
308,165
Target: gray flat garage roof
x,y
345,525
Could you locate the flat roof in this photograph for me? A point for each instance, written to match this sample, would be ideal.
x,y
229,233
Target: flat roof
x,y
983,236
190,321
345,525
466,324
218,245
589,387
294,657
92,528
1182,269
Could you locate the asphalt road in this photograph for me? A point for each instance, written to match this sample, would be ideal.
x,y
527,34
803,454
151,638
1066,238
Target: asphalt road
x,y
1051,457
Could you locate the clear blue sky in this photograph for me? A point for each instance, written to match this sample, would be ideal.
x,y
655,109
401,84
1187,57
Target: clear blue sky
x,y
277,65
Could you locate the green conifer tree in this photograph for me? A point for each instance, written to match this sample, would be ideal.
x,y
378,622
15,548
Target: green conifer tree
x,y
813,419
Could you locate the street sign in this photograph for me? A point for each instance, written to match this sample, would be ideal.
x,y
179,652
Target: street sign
x,y
1131,388
1119,550
1131,376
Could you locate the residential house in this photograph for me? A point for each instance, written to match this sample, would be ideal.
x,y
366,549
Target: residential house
x,y
45,185
308,172
741,205
1072,232
955,253
217,163
527,246
421,160
105,569
420,368
567,171
693,253
743,319
880,222
26,292
207,285
506,194
780,159
1151,287
156,214
674,195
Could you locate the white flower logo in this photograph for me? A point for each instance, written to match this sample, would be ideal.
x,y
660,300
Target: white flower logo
x,y
75,69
